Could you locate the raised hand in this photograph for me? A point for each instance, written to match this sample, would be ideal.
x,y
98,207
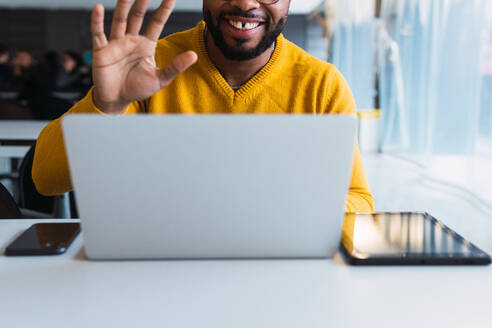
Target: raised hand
x,y
124,68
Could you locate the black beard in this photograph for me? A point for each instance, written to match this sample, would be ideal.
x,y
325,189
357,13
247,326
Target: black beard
x,y
238,53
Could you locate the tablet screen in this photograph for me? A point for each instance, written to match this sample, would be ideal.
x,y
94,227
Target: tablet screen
x,y
404,235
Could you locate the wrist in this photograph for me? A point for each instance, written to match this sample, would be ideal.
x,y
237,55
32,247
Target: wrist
x,y
108,107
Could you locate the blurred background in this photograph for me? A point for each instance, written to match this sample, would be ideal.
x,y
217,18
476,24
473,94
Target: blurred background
x,y
420,71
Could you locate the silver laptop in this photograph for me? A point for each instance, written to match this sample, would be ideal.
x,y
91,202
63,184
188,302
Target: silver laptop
x,y
210,186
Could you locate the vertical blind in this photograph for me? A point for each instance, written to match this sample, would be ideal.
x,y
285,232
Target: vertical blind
x,y
433,69
432,60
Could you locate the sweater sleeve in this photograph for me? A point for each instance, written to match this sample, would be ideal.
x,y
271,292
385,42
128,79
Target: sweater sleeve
x,y
50,172
341,101
359,197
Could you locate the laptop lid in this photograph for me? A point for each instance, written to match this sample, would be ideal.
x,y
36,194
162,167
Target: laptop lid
x,y
210,186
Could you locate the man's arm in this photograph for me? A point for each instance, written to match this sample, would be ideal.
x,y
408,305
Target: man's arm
x,y
359,197
341,101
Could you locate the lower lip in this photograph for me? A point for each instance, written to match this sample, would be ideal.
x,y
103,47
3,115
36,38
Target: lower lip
x,y
242,34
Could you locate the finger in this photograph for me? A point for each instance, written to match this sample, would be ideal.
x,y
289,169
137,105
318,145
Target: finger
x,y
159,19
99,39
118,27
136,17
177,66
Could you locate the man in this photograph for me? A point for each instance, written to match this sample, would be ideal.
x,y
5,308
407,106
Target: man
x,y
242,65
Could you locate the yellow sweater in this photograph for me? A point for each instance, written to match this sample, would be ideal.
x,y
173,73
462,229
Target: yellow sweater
x,y
292,82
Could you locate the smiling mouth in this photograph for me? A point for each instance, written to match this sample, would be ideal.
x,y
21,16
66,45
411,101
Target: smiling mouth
x,y
243,26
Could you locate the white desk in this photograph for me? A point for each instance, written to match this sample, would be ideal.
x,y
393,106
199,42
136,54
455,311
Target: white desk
x,y
22,132
70,291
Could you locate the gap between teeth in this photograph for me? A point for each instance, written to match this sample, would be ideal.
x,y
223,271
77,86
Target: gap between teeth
x,y
243,26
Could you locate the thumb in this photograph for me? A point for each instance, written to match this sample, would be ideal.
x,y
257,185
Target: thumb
x,y
177,66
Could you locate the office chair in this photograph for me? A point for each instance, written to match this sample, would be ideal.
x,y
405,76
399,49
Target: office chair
x,y
12,109
8,206
62,206
10,210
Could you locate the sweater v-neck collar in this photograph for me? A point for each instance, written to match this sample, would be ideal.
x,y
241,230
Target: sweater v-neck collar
x,y
252,83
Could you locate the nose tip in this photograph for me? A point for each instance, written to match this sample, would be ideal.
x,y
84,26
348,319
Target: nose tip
x,y
245,5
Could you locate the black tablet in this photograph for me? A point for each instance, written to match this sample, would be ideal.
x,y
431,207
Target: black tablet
x,y
405,238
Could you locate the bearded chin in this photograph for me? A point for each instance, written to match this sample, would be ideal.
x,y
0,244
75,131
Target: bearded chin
x,y
238,52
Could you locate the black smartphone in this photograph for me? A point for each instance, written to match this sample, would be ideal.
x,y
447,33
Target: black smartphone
x,y
396,238
44,239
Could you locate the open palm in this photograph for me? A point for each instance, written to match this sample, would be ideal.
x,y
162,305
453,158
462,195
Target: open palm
x,y
124,68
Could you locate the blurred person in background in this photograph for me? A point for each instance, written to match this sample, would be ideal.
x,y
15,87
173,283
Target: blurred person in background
x,y
23,67
76,74
22,62
51,69
4,54
5,69
39,86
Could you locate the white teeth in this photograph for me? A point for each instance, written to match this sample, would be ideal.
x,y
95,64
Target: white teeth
x,y
249,26
236,24
243,26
